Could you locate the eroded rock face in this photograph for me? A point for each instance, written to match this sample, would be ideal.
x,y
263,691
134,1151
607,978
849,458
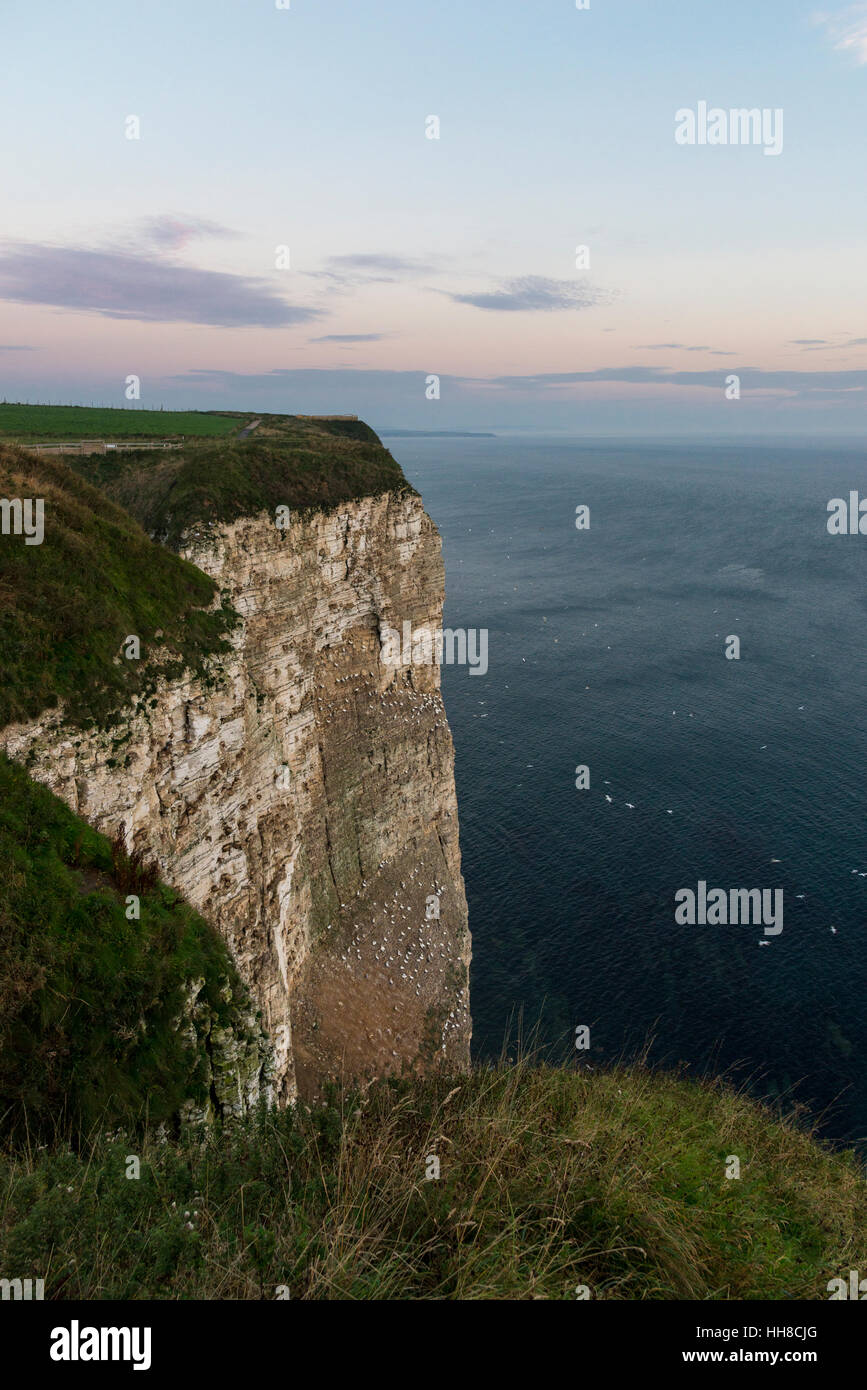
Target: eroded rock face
x,y
236,1056
300,793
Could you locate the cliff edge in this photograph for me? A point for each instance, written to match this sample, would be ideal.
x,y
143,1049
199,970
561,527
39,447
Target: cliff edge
x,y
296,790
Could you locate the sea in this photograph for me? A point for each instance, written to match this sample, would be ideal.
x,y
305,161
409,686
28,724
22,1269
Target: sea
x,y
609,649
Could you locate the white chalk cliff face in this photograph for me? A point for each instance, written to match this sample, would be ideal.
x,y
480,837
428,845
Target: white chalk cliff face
x,y
300,793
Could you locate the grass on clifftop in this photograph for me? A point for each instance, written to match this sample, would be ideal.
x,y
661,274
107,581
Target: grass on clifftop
x,y
25,423
550,1179
68,605
90,1000
285,462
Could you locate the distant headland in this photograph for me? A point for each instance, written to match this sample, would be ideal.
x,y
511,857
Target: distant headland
x,y
383,430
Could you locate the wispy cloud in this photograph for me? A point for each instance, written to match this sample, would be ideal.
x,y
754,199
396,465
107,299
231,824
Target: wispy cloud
x,y
377,261
534,294
350,338
370,268
826,344
682,347
172,233
847,30
121,286
16,347
753,380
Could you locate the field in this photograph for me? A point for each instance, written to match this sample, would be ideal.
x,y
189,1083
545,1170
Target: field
x,y
35,423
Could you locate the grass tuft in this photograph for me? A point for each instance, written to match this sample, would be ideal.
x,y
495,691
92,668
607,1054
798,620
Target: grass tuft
x,y
550,1179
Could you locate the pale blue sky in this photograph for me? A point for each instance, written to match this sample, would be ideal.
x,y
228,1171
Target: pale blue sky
x,y
306,127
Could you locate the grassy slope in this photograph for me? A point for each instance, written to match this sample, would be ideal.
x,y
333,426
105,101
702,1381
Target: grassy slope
x,y
285,462
67,605
550,1179
89,999
28,423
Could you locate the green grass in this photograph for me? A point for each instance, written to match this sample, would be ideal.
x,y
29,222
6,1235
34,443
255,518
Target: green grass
x,y
304,465
550,1180
67,605
44,423
90,1001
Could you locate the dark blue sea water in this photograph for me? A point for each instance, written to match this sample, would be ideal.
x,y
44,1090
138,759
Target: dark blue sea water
x,y
607,648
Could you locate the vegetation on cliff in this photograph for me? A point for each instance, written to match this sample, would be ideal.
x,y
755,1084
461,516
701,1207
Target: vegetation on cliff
x,y
68,604
304,465
104,1018
230,463
551,1181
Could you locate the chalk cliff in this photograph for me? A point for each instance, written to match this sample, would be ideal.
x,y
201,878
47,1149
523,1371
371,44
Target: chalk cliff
x,y
299,793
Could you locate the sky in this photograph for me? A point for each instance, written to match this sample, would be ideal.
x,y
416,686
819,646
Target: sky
x,y
378,207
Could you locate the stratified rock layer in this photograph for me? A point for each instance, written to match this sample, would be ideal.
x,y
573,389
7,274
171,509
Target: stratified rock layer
x,y
300,793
